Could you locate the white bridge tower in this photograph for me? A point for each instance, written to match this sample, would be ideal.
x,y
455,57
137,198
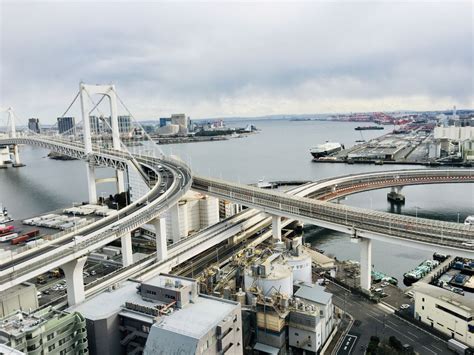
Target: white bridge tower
x,y
12,134
109,91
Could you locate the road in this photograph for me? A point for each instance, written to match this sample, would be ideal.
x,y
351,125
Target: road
x,y
372,319
165,178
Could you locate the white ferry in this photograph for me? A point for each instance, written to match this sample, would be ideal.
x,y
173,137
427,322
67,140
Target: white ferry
x,y
469,221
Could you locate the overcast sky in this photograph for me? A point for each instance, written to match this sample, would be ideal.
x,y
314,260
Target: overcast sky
x,y
238,59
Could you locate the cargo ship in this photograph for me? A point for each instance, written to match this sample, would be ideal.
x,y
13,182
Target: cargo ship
x,y
419,272
323,150
368,128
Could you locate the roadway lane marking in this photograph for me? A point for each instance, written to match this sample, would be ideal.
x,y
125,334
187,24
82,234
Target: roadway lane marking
x,y
398,325
431,351
375,313
402,334
347,344
420,329
395,330
436,347
346,301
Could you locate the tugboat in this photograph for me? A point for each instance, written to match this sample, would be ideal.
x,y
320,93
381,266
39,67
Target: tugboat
x,y
4,217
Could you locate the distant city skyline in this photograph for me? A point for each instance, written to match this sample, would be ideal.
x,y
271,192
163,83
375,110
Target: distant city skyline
x,y
214,60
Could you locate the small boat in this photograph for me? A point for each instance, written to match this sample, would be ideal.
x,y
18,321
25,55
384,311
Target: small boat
x,y
4,217
469,221
367,128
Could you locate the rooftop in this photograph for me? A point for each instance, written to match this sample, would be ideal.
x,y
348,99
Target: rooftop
x,y
314,293
19,322
107,304
196,319
169,281
466,303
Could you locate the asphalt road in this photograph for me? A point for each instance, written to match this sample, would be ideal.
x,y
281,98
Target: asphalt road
x,y
372,319
347,345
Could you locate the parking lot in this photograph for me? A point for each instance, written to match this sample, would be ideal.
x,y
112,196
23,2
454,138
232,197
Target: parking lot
x,y
52,285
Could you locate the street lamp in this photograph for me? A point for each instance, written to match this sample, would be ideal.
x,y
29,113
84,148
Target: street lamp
x,y
74,215
416,211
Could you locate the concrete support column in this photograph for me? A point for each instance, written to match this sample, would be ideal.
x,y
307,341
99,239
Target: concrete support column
x,y
161,240
127,252
365,245
74,280
276,227
176,216
120,181
16,154
91,186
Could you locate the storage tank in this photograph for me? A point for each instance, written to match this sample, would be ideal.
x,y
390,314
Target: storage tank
x,y
301,267
279,277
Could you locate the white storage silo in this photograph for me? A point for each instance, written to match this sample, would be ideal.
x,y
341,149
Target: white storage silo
x,y
277,277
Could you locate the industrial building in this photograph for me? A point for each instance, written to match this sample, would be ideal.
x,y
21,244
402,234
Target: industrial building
x,y
228,209
47,331
282,310
33,125
445,311
67,125
289,309
191,214
166,315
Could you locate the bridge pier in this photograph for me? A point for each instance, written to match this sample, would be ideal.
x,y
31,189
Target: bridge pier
x,y
120,175
16,154
395,195
365,245
161,241
91,184
74,280
127,251
276,228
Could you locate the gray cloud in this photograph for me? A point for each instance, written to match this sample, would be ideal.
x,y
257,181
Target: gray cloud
x,y
215,59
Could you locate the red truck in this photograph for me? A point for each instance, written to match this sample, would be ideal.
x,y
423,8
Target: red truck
x,y
25,237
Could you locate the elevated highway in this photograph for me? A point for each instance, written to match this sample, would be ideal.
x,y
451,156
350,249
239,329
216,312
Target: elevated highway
x,y
70,247
356,221
363,225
